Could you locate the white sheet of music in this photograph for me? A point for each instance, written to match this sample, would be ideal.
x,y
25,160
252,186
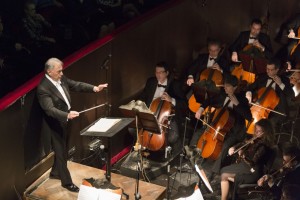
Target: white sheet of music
x,y
103,125
91,193
204,178
197,195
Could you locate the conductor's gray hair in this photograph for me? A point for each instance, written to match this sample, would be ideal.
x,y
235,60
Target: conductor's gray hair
x,y
50,63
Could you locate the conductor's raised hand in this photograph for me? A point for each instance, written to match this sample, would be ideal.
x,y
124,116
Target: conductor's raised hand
x,y
73,114
100,87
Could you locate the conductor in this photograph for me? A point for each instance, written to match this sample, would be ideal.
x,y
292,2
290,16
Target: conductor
x,y
53,94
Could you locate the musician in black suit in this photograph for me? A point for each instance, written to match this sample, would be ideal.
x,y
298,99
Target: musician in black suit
x,y
237,105
253,36
290,172
212,59
280,84
155,88
293,47
53,94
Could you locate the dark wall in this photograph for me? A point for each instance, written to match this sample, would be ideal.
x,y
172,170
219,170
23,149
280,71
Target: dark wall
x,y
172,35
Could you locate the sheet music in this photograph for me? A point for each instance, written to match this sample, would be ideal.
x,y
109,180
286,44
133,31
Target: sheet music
x,y
103,125
91,193
87,193
197,195
204,178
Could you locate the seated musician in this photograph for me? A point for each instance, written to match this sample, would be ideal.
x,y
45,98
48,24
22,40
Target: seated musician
x,y
155,88
282,89
293,47
238,106
294,102
253,157
290,192
253,36
289,174
211,59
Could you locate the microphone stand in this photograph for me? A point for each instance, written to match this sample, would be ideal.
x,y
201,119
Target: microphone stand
x,y
183,143
106,67
107,172
137,195
105,159
167,154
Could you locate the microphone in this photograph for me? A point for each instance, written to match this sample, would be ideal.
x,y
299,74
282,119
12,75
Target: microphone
x,y
105,62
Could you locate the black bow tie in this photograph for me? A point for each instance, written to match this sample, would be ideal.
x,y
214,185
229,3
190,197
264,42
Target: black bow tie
x,y
160,85
211,58
254,38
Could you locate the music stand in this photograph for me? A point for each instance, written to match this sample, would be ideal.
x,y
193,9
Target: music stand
x,y
146,120
115,129
256,65
204,89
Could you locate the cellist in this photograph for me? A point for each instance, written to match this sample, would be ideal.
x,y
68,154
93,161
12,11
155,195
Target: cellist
x,y
155,88
212,59
282,88
239,108
293,47
253,36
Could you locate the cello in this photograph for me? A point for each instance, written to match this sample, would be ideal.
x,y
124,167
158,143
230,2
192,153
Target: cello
x,y
296,45
162,109
211,141
249,75
266,98
209,81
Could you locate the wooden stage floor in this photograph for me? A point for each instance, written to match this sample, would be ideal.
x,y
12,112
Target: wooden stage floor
x,y
50,189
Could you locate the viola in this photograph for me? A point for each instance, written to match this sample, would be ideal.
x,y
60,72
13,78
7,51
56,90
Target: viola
x,y
211,141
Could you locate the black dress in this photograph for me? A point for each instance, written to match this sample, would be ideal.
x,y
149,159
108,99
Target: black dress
x,y
256,156
249,169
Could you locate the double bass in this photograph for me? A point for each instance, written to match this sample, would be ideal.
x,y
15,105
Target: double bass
x,y
211,141
162,109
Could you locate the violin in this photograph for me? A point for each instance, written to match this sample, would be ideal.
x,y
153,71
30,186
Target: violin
x,y
278,174
251,141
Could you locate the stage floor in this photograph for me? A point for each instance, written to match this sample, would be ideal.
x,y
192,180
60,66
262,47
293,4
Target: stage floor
x,y
50,189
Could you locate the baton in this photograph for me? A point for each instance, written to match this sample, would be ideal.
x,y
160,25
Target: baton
x,y
93,108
